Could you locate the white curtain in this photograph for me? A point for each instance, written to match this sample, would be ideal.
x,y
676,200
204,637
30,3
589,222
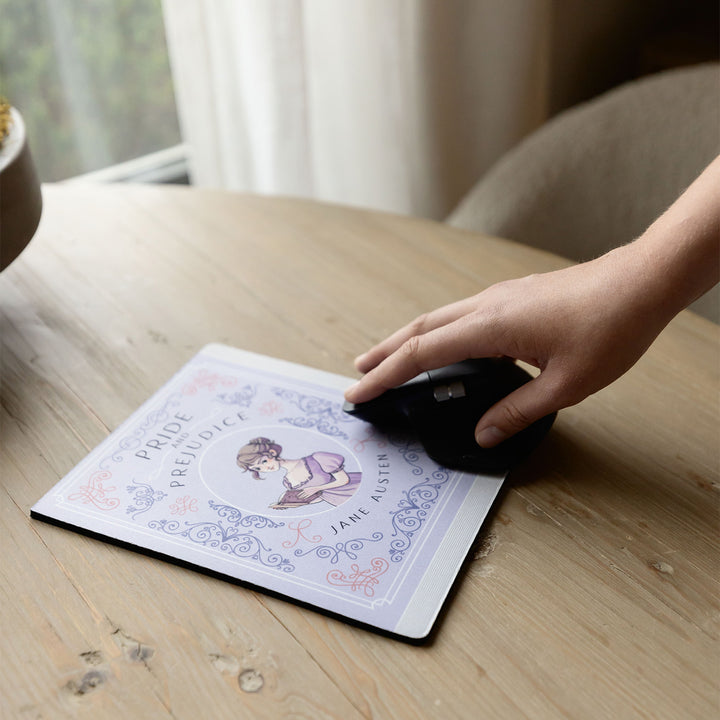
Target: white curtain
x,y
397,105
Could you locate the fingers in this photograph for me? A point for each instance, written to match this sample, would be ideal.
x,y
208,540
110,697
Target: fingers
x,y
421,325
516,411
461,339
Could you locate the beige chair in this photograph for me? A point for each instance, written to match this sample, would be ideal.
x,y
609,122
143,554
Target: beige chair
x,y
597,175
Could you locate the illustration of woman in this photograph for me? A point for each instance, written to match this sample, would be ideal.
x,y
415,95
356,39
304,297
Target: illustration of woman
x,y
318,477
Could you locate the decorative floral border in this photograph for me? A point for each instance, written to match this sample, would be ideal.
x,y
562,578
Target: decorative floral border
x,y
412,511
358,579
322,415
227,537
349,548
243,397
144,497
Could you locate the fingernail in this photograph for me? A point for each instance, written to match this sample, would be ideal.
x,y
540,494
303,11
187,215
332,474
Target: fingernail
x,y
490,436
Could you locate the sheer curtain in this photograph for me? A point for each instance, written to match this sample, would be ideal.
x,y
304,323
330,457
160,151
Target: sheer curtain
x,y
395,105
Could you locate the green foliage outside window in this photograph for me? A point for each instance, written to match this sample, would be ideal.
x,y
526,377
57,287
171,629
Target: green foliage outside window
x,y
91,79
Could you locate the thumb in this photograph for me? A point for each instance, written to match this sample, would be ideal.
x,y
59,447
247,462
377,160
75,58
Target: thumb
x,y
516,411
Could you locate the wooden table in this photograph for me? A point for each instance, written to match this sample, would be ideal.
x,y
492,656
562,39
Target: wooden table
x,y
591,593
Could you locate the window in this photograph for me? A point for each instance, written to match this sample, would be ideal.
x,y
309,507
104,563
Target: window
x,y
92,81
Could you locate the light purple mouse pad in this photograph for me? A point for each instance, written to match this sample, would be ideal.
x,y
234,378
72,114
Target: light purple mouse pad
x,y
246,466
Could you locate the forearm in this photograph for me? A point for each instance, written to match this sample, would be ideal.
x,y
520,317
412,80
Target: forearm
x,y
340,478
679,254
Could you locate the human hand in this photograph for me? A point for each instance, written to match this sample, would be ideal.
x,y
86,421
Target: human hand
x,y
306,493
582,326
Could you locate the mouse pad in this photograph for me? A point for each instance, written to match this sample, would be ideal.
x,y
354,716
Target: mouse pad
x,y
246,467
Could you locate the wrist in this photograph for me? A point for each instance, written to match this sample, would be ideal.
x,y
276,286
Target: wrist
x,y
639,282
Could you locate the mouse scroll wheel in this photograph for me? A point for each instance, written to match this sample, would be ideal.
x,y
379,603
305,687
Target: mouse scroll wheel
x,y
449,392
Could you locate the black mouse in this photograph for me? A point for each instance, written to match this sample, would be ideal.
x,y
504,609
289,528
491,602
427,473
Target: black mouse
x,y
442,407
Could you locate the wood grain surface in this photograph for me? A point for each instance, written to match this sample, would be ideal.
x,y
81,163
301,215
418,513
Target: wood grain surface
x,y
592,591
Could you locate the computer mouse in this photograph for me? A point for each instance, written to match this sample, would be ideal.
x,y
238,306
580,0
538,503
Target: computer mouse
x,y
442,407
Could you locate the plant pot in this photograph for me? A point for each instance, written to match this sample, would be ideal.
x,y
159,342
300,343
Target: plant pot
x,y
20,196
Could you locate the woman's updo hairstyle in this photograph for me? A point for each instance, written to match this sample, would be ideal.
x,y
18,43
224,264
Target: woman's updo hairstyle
x,y
254,451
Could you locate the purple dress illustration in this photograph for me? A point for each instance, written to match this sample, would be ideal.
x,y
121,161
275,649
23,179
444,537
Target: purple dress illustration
x,y
318,477
315,470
